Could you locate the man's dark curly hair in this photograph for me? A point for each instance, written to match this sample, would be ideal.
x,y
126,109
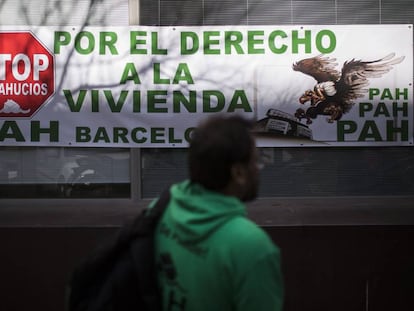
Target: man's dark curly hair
x,y
215,146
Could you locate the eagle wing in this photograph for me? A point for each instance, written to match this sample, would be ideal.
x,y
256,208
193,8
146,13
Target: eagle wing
x,y
319,67
355,75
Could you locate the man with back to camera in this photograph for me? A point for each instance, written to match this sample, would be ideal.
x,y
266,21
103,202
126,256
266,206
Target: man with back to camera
x,y
209,255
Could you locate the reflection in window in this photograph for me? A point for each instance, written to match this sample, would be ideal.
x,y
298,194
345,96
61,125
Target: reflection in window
x,y
64,13
303,172
359,171
64,172
162,167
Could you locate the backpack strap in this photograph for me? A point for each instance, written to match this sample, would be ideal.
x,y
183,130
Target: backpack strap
x,y
142,251
159,207
146,221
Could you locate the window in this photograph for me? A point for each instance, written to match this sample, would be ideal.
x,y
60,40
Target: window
x,y
64,13
49,172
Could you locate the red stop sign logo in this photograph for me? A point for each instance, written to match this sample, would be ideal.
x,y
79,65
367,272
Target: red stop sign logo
x,y
27,77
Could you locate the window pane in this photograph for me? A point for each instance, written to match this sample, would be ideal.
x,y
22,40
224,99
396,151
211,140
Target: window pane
x,y
303,172
338,172
64,172
161,167
63,13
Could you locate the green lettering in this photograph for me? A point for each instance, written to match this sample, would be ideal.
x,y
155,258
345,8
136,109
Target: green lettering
x,y
157,135
386,94
190,104
52,130
403,108
75,107
404,93
136,138
239,101
370,131
392,130
157,75
272,42
11,130
155,50
364,107
116,106
84,36
252,41
61,38
101,135
233,39
171,138
330,37
373,92
95,100
188,132
345,127
130,73
306,40
189,43
207,101
135,41
136,101
120,133
381,110
83,134
209,41
107,39
154,100
183,74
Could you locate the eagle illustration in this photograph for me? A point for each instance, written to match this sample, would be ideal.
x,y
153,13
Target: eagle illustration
x,y
335,92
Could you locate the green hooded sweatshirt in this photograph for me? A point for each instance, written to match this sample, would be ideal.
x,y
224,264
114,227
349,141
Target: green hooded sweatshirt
x,y
212,258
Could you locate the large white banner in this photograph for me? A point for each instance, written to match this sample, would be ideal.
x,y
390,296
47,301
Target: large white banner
x,y
348,85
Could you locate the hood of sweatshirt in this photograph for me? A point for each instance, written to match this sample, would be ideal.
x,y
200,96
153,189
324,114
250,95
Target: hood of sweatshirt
x,y
195,212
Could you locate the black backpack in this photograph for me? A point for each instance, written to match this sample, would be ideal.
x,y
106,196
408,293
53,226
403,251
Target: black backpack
x,y
121,274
